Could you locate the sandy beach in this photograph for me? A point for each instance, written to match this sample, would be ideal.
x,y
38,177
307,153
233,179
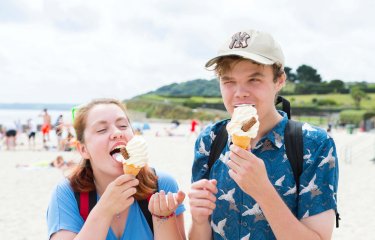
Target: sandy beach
x,y
26,191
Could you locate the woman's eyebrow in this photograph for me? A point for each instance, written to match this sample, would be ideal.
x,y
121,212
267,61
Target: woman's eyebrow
x,y
122,119
102,122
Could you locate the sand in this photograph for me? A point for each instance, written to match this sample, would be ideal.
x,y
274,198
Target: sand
x,y
26,191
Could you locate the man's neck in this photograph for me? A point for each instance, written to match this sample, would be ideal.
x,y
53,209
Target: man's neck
x,y
266,125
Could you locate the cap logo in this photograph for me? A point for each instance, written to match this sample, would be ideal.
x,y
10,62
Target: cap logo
x,y
239,40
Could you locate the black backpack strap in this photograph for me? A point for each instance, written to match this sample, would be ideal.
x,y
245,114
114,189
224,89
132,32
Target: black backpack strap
x,y
217,147
294,148
285,105
143,204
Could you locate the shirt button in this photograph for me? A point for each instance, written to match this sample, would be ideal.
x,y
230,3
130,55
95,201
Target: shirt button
x,y
244,224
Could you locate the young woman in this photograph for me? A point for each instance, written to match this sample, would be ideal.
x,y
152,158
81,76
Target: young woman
x,y
100,126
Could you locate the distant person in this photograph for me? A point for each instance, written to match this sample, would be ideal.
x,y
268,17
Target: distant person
x,y
46,126
102,126
2,132
251,192
171,130
31,132
58,162
59,129
10,129
194,125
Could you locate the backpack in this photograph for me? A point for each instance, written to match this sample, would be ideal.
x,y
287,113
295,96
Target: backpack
x,y
292,137
86,201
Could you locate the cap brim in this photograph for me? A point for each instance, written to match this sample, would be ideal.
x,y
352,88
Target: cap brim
x,y
255,57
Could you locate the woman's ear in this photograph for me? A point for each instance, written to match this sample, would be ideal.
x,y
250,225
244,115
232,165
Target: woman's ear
x,y
83,150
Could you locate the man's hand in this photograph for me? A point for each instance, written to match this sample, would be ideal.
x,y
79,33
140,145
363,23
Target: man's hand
x,y
248,171
202,199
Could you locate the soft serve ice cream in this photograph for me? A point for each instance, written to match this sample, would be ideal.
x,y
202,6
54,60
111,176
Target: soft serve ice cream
x,y
134,156
243,126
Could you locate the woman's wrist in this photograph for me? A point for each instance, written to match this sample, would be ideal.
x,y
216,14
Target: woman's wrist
x,y
164,217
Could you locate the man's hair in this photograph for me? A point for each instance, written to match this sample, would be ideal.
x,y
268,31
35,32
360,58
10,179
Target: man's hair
x,y
225,64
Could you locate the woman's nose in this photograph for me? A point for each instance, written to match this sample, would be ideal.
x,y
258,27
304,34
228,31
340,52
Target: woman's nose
x,y
118,134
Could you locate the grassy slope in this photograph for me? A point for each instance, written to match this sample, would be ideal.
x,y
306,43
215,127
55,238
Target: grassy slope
x,y
343,100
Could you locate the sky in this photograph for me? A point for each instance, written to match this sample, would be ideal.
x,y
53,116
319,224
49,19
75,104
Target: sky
x,y
71,51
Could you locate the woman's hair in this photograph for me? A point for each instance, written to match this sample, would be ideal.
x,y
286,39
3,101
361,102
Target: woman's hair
x,y
82,179
224,64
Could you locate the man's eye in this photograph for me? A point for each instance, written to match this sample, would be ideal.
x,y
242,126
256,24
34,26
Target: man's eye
x,y
123,126
101,130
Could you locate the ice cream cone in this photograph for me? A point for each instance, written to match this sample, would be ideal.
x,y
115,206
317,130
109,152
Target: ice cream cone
x,y
131,169
241,141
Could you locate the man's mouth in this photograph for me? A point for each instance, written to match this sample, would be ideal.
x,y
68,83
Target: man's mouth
x,y
244,104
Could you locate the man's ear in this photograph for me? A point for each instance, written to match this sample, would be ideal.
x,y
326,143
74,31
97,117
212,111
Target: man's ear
x,y
281,82
83,150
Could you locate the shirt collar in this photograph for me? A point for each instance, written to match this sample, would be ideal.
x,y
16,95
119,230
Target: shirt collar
x,y
276,135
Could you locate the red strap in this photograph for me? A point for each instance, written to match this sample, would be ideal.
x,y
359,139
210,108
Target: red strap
x,y
84,205
149,197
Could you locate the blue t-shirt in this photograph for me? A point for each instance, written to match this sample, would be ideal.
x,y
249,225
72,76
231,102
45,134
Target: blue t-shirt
x,y
63,213
237,215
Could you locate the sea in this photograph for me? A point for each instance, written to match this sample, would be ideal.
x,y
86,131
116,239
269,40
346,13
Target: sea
x,y
21,116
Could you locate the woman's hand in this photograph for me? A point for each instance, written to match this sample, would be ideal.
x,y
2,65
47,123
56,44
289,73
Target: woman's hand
x,y
164,205
202,199
118,195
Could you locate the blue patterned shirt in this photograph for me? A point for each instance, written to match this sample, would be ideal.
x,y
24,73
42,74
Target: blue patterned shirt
x,y
237,215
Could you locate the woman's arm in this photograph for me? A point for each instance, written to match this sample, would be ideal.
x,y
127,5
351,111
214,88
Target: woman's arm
x,y
117,197
95,227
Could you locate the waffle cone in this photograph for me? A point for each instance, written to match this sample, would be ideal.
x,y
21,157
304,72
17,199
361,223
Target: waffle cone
x,y
131,169
241,141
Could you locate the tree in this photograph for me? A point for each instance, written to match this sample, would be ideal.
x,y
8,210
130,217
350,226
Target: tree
x,y
357,94
292,77
306,73
336,85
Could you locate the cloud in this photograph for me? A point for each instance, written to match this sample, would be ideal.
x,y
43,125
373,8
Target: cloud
x,y
71,51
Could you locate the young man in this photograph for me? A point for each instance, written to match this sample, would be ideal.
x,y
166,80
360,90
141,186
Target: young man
x,y
251,194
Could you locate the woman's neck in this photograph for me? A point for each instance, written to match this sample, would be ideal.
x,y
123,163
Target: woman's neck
x,y
101,183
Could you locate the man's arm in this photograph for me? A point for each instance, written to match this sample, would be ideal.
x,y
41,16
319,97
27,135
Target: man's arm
x,y
286,226
249,172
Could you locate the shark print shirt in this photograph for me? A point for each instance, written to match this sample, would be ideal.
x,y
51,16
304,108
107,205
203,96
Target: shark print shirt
x,y
237,215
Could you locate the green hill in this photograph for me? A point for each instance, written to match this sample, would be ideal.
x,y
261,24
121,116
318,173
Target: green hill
x,y
201,99
198,87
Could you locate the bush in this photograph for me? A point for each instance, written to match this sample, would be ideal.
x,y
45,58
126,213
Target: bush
x,y
326,102
352,116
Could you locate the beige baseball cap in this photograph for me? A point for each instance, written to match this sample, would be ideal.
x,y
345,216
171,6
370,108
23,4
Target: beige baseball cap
x,y
255,45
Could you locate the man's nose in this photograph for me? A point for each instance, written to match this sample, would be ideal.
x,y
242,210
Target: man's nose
x,y
242,91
